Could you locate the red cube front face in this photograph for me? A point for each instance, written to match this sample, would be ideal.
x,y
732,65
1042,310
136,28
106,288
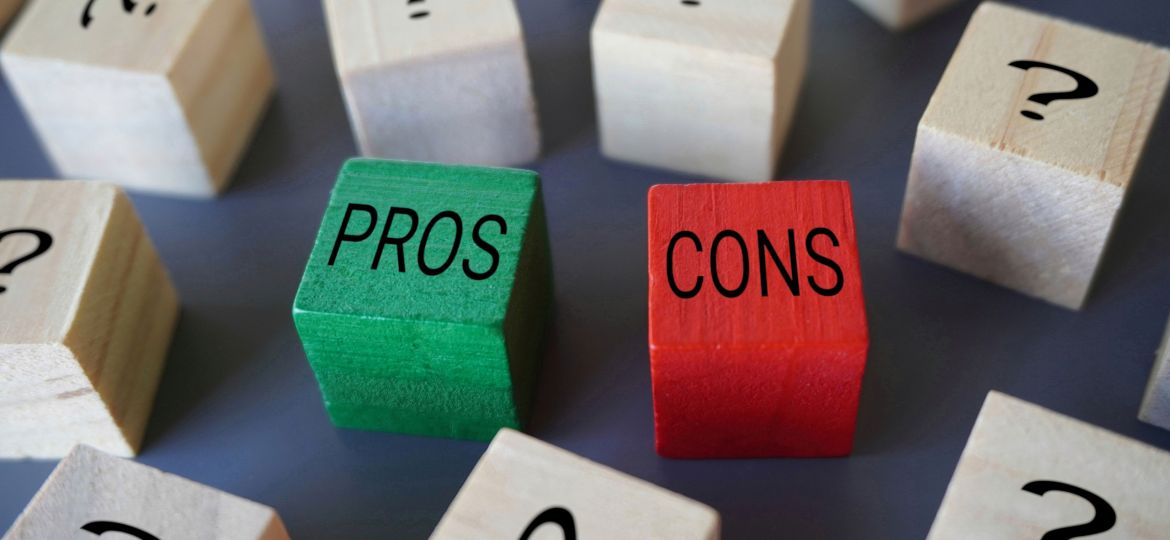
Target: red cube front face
x,y
757,320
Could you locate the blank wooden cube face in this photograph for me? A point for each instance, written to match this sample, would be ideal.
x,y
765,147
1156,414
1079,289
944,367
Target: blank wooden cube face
x,y
424,301
1025,203
1156,405
436,80
758,334
163,97
704,87
1027,471
87,320
523,485
90,494
900,14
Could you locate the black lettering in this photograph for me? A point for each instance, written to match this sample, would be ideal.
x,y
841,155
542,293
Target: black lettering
x,y
793,278
486,247
342,236
397,242
743,282
422,247
825,261
670,265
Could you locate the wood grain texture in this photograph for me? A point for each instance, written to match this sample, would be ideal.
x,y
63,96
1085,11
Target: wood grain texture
x,y
165,102
87,324
707,89
1030,204
1156,405
520,477
1015,443
757,349
89,486
436,81
451,354
902,14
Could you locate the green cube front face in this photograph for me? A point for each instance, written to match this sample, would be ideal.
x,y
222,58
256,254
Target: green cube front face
x,y
423,305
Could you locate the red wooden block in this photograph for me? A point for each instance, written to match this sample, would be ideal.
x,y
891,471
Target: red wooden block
x,y
758,334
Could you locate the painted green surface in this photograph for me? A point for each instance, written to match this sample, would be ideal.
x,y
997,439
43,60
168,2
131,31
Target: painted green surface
x,y
443,355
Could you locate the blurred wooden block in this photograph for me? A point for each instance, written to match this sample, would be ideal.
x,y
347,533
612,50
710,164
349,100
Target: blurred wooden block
x,y
429,80
90,494
163,97
424,302
758,335
8,8
524,488
702,86
1027,471
1029,204
902,14
1156,405
87,322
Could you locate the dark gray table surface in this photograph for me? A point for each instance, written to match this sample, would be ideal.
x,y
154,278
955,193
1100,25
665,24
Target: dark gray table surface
x,y
238,407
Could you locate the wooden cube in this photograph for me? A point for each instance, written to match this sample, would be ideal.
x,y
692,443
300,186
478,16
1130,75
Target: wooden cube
x,y
902,14
1017,192
705,86
1156,405
436,81
758,334
522,487
1027,471
159,96
91,493
87,319
424,302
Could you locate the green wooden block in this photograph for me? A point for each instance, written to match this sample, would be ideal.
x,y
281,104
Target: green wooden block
x,y
423,305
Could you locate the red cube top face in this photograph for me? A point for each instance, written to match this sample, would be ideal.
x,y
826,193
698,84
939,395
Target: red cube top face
x,y
754,266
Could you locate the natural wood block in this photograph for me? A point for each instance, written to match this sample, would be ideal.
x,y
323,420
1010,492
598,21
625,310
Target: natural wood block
x,y
902,14
1156,405
758,334
1027,471
706,87
90,494
423,305
436,81
87,322
528,489
1029,204
159,96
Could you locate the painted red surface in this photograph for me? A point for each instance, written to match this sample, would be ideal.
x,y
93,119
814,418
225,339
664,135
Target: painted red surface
x,y
739,373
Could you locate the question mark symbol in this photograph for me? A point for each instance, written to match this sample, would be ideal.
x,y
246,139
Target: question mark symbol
x,y
1086,88
418,14
102,527
127,5
561,517
1104,519
45,241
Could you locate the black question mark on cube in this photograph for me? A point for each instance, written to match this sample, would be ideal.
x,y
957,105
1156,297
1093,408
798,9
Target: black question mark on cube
x,y
560,516
44,239
1086,88
127,5
418,14
1104,519
102,527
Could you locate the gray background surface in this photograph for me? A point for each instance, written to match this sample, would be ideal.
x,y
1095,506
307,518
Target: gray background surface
x,y
238,408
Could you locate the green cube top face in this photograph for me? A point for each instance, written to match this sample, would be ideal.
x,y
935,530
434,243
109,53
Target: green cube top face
x,y
420,242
